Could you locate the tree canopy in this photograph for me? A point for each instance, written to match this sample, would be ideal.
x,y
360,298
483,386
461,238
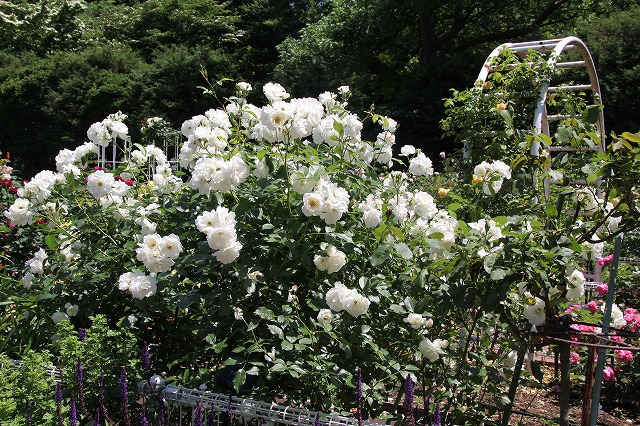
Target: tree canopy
x,y
404,55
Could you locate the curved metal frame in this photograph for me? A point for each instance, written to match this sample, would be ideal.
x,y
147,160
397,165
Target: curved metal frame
x,y
556,47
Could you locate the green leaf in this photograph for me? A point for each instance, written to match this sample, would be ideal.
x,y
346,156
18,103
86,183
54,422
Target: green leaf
x,y
276,331
551,211
338,127
265,313
631,137
52,242
380,255
239,379
536,370
403,250
592,114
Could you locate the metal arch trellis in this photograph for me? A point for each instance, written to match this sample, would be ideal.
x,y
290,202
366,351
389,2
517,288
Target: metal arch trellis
x,y
554,48
552,51
555,51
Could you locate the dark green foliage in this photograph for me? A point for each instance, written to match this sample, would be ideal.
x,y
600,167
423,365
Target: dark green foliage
x,y
614,42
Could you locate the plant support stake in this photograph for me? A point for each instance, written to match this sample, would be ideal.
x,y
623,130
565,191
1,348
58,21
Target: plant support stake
x,y
597,386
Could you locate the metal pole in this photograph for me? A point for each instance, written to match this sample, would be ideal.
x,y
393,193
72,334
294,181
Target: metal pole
x,y
597,386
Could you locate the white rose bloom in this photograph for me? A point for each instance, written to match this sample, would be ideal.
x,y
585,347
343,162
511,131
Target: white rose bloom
x,y
59,317
415,320
99,134
142,286
407,150
72,310
356,304
243,86
576,285
431,349
337,296
19,213
275,92
421,165
312,204
171,246
27,280
99,183
617,317
221,238
325,316
228,254
333,262
261,169
535,313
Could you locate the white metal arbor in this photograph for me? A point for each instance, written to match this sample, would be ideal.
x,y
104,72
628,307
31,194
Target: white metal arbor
x,y
565,53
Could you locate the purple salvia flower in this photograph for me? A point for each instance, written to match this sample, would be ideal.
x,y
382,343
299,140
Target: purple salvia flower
x,y
124,396
146,359
143,420
212,415
359,396
59,403
96,420
82,334
426,410
80,387
73,414
317,422
160,410
437,416
101,399
409,401
197,415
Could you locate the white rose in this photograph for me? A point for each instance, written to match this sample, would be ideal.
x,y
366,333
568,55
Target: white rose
x,y
535,313
430,349
356,304
325,316
336,297
59,317
415,320
143,286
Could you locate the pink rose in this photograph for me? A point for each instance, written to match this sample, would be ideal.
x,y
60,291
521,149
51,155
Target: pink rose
x,y
592,307
609,375
602,288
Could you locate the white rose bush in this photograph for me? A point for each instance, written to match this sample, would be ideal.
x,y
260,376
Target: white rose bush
x,y
287,240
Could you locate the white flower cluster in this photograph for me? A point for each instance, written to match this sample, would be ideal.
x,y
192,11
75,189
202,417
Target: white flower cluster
x,y
159,253
417,321
138,284
112,127
327,200
36,267
68,161
341,298
432,349
219,226
492,175
40,186
216,174
332,262
534,309
206,135
575,289
19,213
439,233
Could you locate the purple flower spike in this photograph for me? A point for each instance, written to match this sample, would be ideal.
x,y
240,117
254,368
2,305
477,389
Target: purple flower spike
x,y
211,416
82,334
73,414
101,398
124,396
317,422
96,420
359,396
426,411
409,401
59,403
143,420
197,420
437,416
146,359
